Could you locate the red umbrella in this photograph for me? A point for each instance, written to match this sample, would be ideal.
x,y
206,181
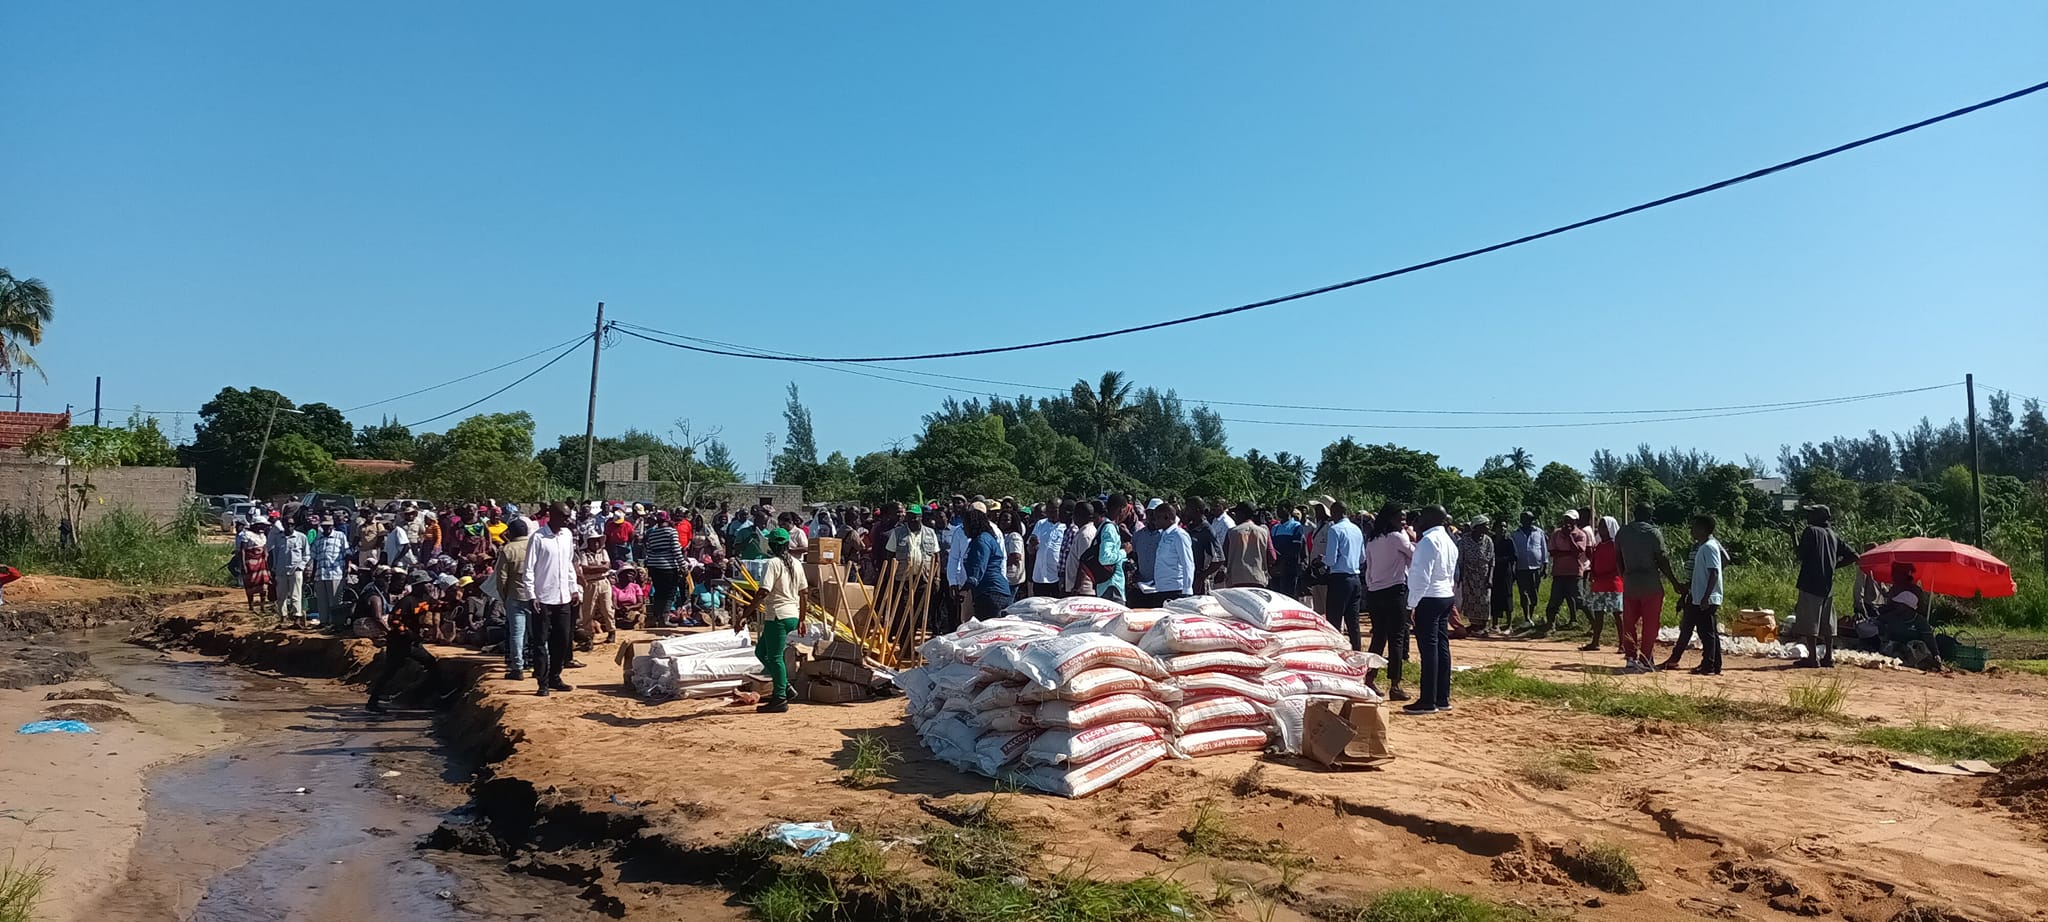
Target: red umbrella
x,y
1940,565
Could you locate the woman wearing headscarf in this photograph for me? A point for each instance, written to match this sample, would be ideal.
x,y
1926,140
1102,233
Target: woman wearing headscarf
x,y
1603,588
780,602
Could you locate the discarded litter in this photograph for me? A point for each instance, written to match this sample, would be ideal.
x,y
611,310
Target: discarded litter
x,y
55,726
810,838
392,773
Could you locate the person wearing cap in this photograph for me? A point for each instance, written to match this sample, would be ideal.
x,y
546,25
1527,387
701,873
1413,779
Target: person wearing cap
x,y
987,583
1639,548
1048,544
509,572
1475,574
1144,558
1567,570
403,629
594,565
550,579
1247,550
1532,560
330,568
1821,552
780,603
913,546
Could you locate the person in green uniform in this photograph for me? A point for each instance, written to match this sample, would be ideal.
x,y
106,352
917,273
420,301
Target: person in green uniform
x,y
780,603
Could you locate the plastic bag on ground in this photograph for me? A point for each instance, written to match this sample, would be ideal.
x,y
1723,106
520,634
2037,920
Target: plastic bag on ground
x,y
1230,661
1182,633
1079,747
1049,661
1220,711
1220,742
1112,709
810,838
1083,780
1097,683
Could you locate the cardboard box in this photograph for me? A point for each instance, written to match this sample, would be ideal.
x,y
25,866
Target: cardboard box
x,y
824,550
839,670
758,684
843,600
1350,735
628,651
831,691
840,649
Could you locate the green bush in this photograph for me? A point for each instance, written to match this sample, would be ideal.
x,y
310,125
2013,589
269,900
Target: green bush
x,y
122,546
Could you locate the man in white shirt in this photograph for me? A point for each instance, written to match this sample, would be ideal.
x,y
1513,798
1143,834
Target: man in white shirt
x,y
1432,588
1080,537
1051,535
550,579
398,542
1173,562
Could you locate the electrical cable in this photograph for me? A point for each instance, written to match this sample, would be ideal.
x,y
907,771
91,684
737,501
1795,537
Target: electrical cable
x,y
2011,392
629,329
515,382
434,387
1430,264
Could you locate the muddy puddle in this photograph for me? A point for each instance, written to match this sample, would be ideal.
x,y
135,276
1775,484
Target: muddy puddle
x,y
314,815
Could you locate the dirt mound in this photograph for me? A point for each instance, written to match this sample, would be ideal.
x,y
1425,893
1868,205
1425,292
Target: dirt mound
x,y
2022,787
91,712
84,694
24,665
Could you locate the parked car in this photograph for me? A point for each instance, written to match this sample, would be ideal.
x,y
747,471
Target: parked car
x,y
242,513
337,503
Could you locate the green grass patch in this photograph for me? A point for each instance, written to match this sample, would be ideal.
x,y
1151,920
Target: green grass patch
x,y
1602,864
21,888
1953,740
122,546
1425,905
1821,697
1610,698
1072,898
1557,769
794,898
871,759
978,850
1208,834
2031,666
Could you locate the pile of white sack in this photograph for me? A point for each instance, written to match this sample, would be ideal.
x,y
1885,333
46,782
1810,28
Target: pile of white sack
x,y
1750,646
1069,696
707,665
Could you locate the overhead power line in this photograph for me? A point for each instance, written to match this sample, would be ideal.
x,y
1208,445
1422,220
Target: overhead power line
x,y
1418,267
475,374
629,329
573,346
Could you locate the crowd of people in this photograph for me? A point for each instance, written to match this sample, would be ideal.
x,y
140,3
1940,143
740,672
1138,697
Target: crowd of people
x,y
486,575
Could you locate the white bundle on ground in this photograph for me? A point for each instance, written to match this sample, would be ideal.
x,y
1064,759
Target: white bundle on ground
x,y
1777,649
695,666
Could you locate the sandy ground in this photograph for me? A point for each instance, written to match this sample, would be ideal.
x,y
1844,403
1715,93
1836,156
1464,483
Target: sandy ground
x,y
74,802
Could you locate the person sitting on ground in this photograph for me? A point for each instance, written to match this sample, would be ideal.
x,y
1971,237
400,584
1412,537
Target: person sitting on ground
x,y
1903,628
629,597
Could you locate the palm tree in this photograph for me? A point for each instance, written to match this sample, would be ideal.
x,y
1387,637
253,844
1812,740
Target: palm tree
x,y
24,308
1106,406
1520,459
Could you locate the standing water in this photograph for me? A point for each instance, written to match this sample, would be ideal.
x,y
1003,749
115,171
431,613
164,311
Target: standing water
x,y
313,816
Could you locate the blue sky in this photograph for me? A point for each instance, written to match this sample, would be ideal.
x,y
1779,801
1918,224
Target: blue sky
x,y
220,194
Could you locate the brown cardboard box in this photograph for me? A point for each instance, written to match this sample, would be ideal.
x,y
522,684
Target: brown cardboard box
x,y
843,601
841,649
758,684
824,550
1348,735
627,651
831,691
838,669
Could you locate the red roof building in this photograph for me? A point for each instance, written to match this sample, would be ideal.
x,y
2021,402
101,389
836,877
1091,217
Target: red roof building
x,y
17,428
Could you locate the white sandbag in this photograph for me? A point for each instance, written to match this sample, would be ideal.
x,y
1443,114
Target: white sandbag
x,y
996,695
1199,684
714,689
1204,605
1093,624
1066,611
709,667
1220,711
994,751
1222,741
966,646
955,680
1183,633
1230,661
1097,683
1299,639
920,700
1287,716
1266,609
1079,747
1049,661
1012,719
1030,608
1083,780
1293,683
1344,663
949,732
1081,715
1132,625
707,642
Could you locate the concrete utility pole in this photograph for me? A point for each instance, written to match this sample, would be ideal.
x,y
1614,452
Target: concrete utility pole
x,y
590,420
264,448
1976,459
95,401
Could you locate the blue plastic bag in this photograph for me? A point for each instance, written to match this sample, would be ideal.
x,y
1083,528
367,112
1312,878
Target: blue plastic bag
x,y
810,838
55,726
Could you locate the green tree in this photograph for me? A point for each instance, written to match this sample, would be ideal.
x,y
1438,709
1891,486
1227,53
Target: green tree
x,y
387,441
25,308
81,450
1106,407
1719,491
1819,483
1559,486
294,464
1641,483
324,426
229,436
484,456
1367,475
1216,473
968,457
882,476
1520,459
1048,460
147,444
833,479
798,461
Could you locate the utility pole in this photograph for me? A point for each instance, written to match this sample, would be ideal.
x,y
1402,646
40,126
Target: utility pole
x,y
95,401
264,448
590,420
15,378
768,457
1976,459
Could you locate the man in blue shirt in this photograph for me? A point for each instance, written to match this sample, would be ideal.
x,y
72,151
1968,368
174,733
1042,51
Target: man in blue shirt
x,y
1287,551
1109,569
1532,558
1343,549
986,583
330,567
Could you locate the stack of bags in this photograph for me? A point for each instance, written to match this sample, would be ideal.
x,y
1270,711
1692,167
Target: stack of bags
x,y
1306,659
705,665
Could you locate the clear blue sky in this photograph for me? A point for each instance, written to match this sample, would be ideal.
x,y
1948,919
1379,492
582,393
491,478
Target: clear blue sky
x,y
216,191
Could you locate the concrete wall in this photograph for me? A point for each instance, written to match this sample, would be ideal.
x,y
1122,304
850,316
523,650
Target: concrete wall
x,y
160,493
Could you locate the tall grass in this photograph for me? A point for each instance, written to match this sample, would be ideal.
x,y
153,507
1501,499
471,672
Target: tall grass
x,y
122,546
21,888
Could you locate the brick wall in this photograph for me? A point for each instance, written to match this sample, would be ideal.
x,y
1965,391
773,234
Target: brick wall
x,y
157,492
